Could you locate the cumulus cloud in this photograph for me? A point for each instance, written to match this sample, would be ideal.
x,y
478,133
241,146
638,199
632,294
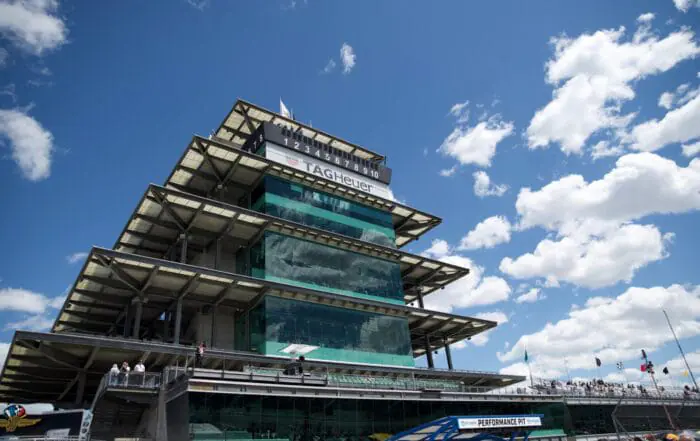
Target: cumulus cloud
x,y
347,57
593,75
4,56
4,349
532,296
603,149
24,300
678,125
33,25
488,233
610,328
685,5
645,18
448,172
484,187
31,144
639,185
76,257
592,260
471,290
691,149
39,322
494,316
475,144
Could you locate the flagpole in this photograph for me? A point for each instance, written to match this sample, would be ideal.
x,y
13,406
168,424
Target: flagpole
x,y
527,361
656,386
687,366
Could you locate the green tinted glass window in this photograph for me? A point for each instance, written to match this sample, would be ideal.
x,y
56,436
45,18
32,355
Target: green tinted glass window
x,y
303,205
302,263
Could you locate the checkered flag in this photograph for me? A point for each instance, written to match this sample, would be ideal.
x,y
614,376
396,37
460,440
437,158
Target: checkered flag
x,y
620,366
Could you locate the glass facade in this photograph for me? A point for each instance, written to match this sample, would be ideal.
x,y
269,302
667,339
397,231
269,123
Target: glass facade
x,y
303,205
301,419
340,334
298,262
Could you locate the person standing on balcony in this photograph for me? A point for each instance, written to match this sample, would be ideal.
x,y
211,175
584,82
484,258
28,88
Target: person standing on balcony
x,y
113,375
139,373
124,373
199,355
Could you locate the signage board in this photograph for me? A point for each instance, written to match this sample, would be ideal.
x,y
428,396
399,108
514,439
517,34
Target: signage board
x,y
319,168
498,422
282,136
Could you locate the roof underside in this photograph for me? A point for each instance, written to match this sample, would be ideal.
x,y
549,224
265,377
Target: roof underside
x,y
44,367
213,168
111,280
246,117
164,214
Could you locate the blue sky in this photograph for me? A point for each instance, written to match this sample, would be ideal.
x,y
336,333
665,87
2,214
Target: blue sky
x,y
592,199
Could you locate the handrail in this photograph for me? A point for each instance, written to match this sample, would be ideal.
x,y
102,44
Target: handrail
x,y
132,380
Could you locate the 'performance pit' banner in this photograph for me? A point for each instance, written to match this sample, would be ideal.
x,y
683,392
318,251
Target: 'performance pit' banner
x,y
498,422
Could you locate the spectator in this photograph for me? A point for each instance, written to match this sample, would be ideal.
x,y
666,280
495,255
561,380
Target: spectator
x,y
199,354
113,375
124,373
139,375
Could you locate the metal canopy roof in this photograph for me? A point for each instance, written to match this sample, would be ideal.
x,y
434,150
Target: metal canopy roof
x,y
214,168
44,367
111,280
244,118
164,214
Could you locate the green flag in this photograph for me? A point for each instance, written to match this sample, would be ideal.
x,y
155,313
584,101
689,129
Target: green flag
x,y
526,356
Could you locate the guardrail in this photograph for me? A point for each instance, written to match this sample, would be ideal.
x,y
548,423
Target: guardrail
x,y
133,380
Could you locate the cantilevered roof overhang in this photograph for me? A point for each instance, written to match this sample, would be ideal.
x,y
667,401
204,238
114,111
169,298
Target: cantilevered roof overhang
x,y
211,167
164,214
244,118
43,367
110,280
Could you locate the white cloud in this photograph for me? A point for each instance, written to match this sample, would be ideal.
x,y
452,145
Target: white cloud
x,y
477,144
495,316
532,296
611,328
23,300
483,186
32,145
640,184
691,149
447,172
666,100
471,290
38,322
592,260
488,233
592,75
603,149
460,111
76,257
4,349
438,248
685,5
645,18
32,25
347,56
678,125
4,55
330,67
9,90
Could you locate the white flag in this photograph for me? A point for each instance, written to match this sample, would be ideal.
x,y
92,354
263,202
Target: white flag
x,y
284,111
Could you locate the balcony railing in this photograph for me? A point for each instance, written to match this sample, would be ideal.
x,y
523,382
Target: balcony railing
x,y
133,380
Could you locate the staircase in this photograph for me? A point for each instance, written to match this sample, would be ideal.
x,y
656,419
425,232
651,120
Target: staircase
x,y
117,418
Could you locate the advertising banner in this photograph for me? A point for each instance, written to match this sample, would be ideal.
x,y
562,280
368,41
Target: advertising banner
x,y
499,422
322,169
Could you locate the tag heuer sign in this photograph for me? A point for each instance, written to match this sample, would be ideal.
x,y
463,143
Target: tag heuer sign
x,y
499,422
301,162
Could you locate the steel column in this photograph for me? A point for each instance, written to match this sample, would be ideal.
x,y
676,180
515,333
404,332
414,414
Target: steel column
x,y
214,313
137,317
127,320
183,248
82,378
420,298
428,352
448,354
178,321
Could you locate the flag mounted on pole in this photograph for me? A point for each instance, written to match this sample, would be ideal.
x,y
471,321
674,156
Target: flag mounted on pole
x,y
284,111
620,366
665,371
597,362
643,367
526,359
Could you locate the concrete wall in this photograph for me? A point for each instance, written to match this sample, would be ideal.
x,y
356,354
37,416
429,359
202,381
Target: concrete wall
x,y
202,329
